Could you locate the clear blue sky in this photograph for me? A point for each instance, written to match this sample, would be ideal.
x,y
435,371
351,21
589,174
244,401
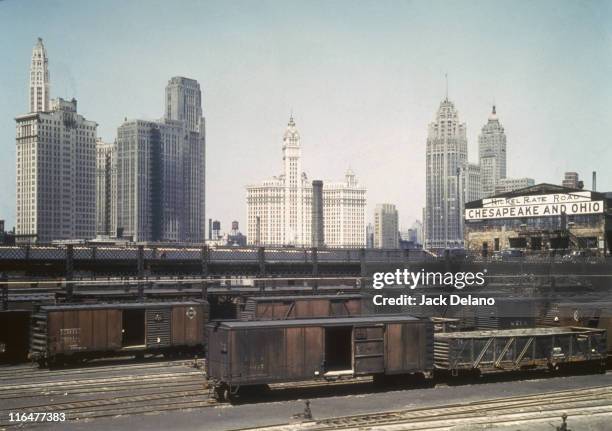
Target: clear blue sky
x,y
363,78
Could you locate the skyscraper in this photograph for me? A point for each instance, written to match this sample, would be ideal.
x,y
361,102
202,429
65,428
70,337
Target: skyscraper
x,y
386,226
279,210
56,164
39,79
446,158
161,170
492,154
106,188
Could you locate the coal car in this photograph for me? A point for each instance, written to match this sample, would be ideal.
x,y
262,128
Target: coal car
x,y
252,353
62,333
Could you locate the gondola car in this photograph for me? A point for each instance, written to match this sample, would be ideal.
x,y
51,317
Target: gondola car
x,y
250,353
302,306
63,333
475,352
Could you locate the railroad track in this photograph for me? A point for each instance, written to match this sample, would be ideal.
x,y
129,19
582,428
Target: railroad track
x,y
160,401
540,407
29,371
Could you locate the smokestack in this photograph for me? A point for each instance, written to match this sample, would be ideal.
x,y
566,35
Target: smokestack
x,y
594,181
210,229
317,229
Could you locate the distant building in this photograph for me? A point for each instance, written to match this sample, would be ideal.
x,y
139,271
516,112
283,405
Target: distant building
x,y
106,188
370,235
318,225
472,184
572,181
386,228
446,158
235,237
56,163
505,185
491,154
279,210
543,217
161,170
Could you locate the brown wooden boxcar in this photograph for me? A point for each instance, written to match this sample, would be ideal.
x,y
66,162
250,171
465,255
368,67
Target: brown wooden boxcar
x,y
244,353
93,330
304,306
14,335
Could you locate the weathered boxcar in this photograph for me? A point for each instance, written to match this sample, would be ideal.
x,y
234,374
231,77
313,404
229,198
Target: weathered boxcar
x,y
14,335
95,330
304,306
516,349
243,353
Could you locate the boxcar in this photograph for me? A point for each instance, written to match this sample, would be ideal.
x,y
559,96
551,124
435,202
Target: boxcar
x,y
60,332
305,306
516,349
244,353
14,335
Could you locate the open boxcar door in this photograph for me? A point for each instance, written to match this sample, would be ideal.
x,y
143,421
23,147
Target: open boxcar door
x,y
369,349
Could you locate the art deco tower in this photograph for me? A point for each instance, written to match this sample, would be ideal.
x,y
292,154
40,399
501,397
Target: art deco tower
x,y
492,154
446,159
39,79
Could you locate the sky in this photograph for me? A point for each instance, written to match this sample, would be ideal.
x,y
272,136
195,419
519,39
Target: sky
x,y
362,78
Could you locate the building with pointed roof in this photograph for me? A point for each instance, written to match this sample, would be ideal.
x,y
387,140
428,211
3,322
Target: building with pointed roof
x,y
39,78
279,210
492,154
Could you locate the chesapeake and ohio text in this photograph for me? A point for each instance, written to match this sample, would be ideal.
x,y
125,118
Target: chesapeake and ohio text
x,y
412,279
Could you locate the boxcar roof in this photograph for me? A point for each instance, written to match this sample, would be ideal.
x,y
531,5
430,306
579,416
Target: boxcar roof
x,y
121,305
325,321
298,297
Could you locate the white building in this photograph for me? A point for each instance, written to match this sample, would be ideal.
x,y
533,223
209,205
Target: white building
x,y
446,158
39,79
106,188
161,168
472,182
386,226
492,154
510,184
279,210
56,164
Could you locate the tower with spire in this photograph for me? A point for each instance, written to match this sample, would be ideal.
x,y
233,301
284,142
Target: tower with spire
x,y
492,154
279,210
446,165
39,78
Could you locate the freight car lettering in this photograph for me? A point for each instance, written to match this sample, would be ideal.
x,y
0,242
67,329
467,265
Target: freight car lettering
x,y
71,338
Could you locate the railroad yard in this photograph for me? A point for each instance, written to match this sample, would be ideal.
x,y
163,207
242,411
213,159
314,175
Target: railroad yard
x,y
286,350
158,394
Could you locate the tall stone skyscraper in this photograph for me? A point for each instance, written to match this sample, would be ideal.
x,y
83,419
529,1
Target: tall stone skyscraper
x,y
161,168
39,79
492,154
446,159
56,165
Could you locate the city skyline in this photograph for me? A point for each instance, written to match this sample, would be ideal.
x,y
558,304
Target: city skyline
x,y
538,74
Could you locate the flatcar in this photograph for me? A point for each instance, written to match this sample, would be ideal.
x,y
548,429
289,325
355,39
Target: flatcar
x,y
252,353
550,348
302,306
63,333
